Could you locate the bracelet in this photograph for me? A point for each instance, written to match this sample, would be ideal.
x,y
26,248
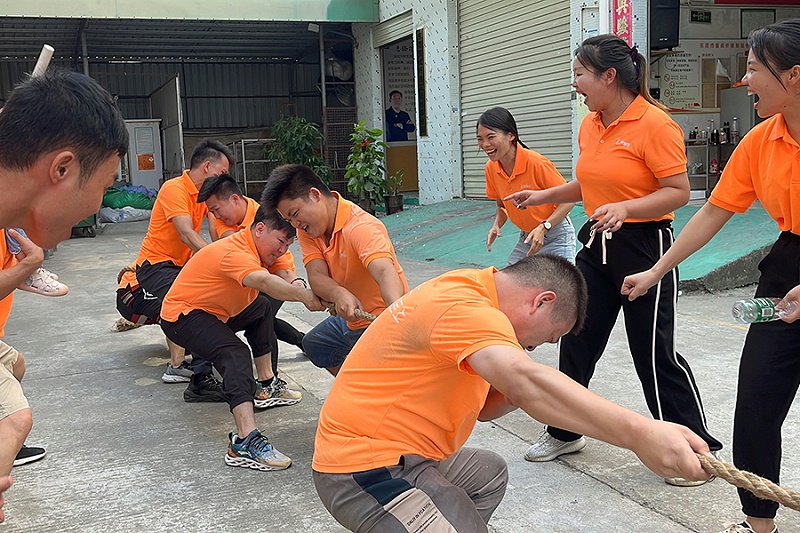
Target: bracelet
x,y
305,285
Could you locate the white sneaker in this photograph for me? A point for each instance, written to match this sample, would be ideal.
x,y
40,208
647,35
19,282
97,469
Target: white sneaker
x,y
548,448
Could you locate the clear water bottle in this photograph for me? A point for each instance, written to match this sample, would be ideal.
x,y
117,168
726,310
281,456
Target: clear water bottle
x,y
762,309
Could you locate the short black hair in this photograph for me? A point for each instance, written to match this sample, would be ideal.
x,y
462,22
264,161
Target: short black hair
x,y
395,92
209,150
222,186
58,110
274,221
554,273
288,182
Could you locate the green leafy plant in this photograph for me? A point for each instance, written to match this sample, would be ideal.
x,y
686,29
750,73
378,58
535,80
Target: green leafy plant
x,y
298,141
394,183
365,165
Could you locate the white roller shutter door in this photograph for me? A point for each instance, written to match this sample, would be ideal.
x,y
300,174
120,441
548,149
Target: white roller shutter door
x,y
516,55
397,27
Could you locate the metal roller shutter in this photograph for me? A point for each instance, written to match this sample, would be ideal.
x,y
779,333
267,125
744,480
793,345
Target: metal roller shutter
x,y
393,29
516,55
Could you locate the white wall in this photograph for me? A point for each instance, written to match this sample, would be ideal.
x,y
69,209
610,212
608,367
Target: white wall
x,y
439,154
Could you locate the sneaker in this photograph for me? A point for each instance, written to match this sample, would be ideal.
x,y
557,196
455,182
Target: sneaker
x,y
204,389
683,482
275,394
744,527
181,374
548,448
255,452
123,324
29,454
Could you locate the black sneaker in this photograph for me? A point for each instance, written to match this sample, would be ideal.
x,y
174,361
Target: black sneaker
x,y
204,388
29,454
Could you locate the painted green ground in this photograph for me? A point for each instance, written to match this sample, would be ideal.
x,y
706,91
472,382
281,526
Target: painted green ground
x,y
453,234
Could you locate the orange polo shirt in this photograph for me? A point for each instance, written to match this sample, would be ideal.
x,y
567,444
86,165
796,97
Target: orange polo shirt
x,y
409,372
626,160
177,197
764,166
212,279
284,262
358,239
532,171
252,207
7,260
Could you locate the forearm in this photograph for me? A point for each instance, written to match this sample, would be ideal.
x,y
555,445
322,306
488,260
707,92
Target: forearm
x,y
563,194
278,288
325,287
13,277
496,405
700,229
500,216
192,240
391,287
658,203
552,398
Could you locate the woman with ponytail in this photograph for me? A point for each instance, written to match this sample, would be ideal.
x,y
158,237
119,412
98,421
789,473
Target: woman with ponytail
x,y
631,176
513,167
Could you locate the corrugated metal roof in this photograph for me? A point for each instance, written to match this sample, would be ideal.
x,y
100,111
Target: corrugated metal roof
x,y
142,40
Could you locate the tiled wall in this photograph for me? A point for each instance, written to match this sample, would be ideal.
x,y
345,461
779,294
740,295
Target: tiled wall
x,y
439,154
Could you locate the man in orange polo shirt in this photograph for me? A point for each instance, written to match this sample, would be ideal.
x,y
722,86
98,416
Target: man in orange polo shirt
x,y
348,256
172,237
232,212
440,358
61,140
217,294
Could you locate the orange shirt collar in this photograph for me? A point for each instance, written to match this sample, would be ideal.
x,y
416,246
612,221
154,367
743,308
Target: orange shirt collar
x,y
190,186
486,277
251,243
520,165
778,131
635,111
342,212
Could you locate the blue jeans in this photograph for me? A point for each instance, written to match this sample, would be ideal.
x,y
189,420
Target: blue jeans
x,y
560,240
328,344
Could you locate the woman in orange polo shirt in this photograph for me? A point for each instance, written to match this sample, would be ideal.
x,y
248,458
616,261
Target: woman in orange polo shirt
x,y
631,175
513,167
764,166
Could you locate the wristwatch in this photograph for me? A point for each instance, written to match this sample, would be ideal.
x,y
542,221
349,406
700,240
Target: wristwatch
x,y
547,225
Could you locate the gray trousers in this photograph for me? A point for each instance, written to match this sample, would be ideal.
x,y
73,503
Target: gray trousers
x,y
457,495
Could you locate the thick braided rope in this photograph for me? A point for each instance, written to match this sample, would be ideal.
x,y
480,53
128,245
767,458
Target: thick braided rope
x,y
122,272
763,488
361,315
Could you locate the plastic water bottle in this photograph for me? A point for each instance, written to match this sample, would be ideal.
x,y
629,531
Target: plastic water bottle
x,y
762,309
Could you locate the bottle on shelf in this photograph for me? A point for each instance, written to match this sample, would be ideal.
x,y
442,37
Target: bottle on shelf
x,y
726,133
735,131
755,310
692,135
714,136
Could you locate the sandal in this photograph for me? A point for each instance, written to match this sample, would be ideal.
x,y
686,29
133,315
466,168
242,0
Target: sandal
x,y
40,282
49,273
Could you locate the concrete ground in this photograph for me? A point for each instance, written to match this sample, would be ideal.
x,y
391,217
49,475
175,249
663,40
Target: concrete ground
x,y
126,453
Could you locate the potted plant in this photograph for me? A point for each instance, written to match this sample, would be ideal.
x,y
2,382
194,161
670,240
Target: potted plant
x,y
393,199
298,141
365,166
